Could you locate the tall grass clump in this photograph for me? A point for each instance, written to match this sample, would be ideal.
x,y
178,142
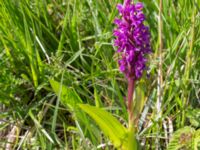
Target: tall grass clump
x,y
60,86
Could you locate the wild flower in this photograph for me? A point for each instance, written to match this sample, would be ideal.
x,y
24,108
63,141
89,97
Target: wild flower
x,y
132,39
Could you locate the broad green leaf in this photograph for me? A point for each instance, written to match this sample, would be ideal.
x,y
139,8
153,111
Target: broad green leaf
x,y
132,141
111,127
139,101
68,96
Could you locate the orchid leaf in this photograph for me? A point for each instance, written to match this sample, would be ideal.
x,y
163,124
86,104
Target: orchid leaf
x,y
110,126
68,96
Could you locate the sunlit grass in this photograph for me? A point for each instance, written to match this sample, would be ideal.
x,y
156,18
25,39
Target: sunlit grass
x,y
70,41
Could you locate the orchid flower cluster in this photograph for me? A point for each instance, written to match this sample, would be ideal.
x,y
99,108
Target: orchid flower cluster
x,y
132,39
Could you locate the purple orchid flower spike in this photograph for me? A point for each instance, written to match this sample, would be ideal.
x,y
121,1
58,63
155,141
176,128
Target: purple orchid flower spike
x,y
133,43
132,39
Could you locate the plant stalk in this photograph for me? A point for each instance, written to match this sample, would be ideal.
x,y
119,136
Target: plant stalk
x,y
130,101
132,144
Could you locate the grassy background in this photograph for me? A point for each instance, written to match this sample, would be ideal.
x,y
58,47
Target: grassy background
x,y
71,42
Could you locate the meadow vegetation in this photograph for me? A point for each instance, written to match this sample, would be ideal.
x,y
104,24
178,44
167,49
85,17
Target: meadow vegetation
x,y
57,54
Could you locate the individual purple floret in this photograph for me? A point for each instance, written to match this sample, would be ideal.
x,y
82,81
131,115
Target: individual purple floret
x,y
132,39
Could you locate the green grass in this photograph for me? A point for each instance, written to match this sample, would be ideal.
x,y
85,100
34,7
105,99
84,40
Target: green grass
x,y
71,42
